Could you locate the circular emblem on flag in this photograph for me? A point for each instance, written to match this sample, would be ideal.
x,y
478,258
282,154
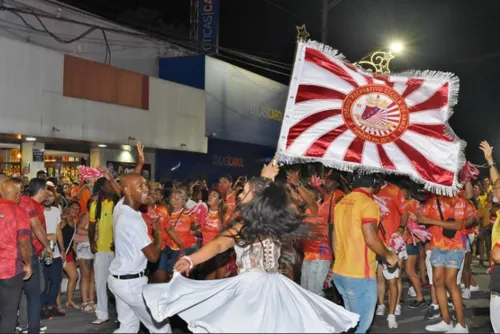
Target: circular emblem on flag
x,y
376,113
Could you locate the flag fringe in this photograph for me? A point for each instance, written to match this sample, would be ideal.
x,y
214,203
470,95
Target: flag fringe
x,y
328,50
284,159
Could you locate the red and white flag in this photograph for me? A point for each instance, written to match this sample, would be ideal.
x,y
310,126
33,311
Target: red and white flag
x,y
348,118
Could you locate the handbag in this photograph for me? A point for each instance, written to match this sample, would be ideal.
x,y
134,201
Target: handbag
x,y
447,233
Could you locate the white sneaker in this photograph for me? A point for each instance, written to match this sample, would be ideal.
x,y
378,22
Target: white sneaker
x,y
462,286
380,309
466,294
391,321
459,329
398,310
440,327
474,288
411,292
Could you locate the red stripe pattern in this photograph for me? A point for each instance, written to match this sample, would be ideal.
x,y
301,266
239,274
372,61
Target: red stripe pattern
x,y
372,110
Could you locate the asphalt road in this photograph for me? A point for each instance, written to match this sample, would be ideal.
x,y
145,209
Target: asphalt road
x,y
410,321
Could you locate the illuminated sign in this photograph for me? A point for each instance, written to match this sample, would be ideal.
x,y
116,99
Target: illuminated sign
x,y
228,161
208,25
266,112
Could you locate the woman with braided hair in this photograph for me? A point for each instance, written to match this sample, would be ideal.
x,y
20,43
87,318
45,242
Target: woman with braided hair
x,y
259,299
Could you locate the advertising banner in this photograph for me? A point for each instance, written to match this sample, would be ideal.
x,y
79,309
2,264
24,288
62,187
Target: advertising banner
x,y
241,105
208,25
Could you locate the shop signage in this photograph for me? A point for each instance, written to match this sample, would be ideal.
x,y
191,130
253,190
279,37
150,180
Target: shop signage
x,y
38,155
208,25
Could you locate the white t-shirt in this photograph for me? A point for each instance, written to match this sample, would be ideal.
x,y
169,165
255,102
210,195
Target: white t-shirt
x,y
52,218
131,236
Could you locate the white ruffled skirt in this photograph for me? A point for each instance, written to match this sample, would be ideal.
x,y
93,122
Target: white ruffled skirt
x,y
252,302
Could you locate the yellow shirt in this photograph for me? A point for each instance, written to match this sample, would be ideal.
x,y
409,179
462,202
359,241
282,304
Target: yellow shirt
x,y
353,258
104,230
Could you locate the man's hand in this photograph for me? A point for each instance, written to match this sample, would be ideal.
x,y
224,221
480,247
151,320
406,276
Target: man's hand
x,y
107,174
93,247
327,284
49,250
156,224
487,150
423,219
140,151
28,271
292,176
270,171
392,259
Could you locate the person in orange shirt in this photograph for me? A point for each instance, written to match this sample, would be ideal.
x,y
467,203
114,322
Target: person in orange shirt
x,y
156,210
82,195
392,205
356,244
317,252
184,222
446,217
226,188
216,268
413,245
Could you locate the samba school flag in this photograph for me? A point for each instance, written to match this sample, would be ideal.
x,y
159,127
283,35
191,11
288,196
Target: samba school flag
x,y
351,119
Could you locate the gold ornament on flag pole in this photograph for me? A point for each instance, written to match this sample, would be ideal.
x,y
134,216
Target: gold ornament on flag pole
x,y
302,33
377,62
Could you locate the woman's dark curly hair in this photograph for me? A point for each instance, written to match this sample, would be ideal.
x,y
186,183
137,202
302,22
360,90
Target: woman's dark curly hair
x,y
270,215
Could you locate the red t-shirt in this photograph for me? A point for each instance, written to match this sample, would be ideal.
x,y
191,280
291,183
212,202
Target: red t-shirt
x,y
392,205
319,247
34,209
451,208
211,227
470,211
14,226
181,222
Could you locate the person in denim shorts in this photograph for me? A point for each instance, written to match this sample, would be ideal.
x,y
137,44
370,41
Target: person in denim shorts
x,y
446,217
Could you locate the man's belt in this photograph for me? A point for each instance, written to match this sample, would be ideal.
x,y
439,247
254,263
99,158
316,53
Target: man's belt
x,y
132,276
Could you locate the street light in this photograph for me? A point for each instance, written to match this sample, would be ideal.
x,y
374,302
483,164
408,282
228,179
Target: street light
x,y
378,61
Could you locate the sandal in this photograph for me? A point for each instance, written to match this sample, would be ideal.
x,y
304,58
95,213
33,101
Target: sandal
x,y
88,307
72,305
99,321
84,306
61,309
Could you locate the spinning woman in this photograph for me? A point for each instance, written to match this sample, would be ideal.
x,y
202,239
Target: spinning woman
x,y
259,299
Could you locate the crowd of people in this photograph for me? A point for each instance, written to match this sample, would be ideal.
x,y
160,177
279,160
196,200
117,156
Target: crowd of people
x,y
244,242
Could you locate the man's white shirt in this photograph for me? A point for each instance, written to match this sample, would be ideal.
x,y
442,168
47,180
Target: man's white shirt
x,y
130,237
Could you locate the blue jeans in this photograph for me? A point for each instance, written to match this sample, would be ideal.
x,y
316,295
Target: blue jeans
x,y
360,296
447,258
173,256
33,303
52,275
314,274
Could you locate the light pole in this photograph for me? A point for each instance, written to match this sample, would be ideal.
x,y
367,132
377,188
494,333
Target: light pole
x,y
378,61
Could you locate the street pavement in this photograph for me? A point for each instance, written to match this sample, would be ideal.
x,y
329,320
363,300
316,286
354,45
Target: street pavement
x,y
410,321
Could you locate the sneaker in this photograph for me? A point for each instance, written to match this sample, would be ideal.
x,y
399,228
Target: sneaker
x,y
43,328
462,286
466,294
21,329
417,304
391,321
432,313
459,329
380,309
411,292
439,327
398,310
25,331
474,288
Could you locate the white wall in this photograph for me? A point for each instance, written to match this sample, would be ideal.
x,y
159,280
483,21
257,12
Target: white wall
x,y
32,103
128,52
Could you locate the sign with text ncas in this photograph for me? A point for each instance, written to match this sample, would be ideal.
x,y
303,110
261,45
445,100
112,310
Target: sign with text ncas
x,y
208,25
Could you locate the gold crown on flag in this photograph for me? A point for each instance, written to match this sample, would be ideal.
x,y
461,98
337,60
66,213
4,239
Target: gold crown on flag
x,y
378,102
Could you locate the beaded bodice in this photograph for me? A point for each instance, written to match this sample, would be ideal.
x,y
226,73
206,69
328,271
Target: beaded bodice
x,y
261,256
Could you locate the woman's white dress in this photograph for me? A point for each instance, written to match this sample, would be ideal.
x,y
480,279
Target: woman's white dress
x,y
258,300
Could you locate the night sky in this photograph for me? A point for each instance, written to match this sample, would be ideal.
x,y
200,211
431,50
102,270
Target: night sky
x,y
459,36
